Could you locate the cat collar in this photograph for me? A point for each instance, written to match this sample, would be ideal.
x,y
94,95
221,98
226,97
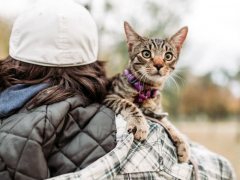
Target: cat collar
x,y
143,92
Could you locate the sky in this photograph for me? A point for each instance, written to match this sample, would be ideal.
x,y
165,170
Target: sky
x,y
214,40
214,35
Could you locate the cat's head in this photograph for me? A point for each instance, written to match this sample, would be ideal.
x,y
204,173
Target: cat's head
x,y
152,60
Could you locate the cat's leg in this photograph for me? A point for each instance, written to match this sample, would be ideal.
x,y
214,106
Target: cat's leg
x,y
183,149
152,107
131,113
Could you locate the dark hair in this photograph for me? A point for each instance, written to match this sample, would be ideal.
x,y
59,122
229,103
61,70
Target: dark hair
x,y
89,80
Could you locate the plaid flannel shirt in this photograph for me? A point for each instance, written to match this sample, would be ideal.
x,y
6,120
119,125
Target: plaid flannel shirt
x,y
153,158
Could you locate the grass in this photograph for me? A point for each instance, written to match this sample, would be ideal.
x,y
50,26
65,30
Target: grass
x,y
219,137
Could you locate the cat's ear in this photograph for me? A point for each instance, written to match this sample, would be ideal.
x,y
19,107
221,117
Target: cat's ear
x,y
178,39
132,36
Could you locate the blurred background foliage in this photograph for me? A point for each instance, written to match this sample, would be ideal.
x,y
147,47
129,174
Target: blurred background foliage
x,y
4,40
206,107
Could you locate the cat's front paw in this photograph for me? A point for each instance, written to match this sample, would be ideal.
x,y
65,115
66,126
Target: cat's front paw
x,y
140,127
183,151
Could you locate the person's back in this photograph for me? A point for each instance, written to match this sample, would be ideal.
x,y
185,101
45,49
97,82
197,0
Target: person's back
x,y
55,139
51,121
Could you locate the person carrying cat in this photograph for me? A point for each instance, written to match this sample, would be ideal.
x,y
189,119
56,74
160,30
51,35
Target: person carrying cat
x,y
52,121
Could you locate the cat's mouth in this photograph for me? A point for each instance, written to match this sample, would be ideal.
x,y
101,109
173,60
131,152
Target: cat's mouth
x,y
158,74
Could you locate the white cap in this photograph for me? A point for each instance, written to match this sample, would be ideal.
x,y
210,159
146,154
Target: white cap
x,y
57,33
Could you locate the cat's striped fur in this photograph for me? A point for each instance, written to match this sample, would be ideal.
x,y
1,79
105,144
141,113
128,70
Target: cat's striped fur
x,y
151,71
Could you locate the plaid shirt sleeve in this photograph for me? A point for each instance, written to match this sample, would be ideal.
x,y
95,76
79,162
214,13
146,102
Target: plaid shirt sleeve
x,y
153,158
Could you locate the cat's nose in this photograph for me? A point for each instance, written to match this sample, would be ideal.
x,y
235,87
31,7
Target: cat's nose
x,y
158,66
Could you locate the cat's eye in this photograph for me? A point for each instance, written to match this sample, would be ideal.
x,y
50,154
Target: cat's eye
x,y
146,54
168,56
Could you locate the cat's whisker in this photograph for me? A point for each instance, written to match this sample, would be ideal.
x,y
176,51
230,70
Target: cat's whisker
x,y
168,84
175,84
134,73
180,78
180,69
142,77
137,71
144,81
177,73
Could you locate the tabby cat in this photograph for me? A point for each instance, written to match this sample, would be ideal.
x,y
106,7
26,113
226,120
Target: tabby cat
x,y
137,88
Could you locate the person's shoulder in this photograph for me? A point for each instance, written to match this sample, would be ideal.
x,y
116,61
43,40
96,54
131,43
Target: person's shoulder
x,y
54,113
75,108
26,123
79,109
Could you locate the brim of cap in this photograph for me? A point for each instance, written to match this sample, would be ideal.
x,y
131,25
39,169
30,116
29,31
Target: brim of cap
x,y
52,64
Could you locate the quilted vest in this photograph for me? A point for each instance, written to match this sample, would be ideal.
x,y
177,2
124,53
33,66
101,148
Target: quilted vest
x,y
55,139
